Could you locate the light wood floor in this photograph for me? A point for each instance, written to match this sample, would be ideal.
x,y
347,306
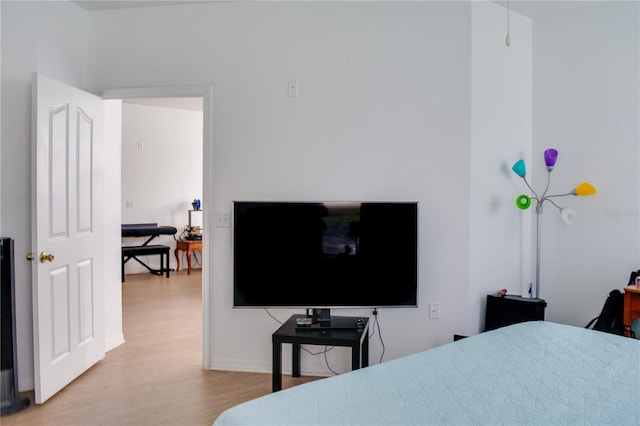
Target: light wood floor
x,y
156,377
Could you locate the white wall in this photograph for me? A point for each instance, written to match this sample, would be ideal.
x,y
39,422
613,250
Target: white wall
x,y
1,70
501,115
586,104
112,241
50,38
163,177
383,108
391,80
378,78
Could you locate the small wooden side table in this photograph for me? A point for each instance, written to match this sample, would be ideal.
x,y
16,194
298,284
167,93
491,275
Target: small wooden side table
x,y
187,246
631,307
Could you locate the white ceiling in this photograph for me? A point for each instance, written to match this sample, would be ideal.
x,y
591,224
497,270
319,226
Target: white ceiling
x,y
530,8
536,9
93,5
192,104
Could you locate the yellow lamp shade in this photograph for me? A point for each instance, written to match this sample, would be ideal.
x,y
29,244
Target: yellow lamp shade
x,y
585,188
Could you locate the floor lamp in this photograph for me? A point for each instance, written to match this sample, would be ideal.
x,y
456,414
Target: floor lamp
x,y
524,201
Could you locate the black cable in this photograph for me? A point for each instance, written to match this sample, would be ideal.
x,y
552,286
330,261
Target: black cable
x,y
274,318
196,258
327,361
376,324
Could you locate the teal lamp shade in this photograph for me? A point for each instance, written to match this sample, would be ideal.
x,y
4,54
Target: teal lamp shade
x,y
550,157
519,168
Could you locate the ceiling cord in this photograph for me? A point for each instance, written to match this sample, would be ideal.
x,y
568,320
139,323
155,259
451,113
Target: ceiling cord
x,y
508,39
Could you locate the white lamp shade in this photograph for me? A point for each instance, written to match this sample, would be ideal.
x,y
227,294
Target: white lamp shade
x,y
568,215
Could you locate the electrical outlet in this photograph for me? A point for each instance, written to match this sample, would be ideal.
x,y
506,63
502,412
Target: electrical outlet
x,y
292,89
434,310
223,219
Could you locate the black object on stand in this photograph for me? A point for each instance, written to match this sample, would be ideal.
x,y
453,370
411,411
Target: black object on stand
x,y
11,402
506,310
319,316
350,332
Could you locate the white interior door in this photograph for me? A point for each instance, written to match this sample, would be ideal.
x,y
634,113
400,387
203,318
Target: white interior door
x,y
67,244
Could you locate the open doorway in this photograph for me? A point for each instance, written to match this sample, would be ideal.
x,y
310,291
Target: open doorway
x,y
179,98
162,183
161,172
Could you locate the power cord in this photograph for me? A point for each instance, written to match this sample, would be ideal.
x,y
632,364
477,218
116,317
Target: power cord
x,y
376,325
274,318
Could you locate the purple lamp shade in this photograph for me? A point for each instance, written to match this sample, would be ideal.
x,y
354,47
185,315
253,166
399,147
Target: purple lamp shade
x,y
550,157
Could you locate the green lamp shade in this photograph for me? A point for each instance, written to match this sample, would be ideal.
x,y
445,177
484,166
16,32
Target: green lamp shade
x,y
585,188
523,202
519,168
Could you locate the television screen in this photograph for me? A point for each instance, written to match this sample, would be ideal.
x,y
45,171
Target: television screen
x,y
325,254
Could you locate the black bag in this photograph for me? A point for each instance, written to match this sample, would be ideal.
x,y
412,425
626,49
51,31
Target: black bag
x,y
610,318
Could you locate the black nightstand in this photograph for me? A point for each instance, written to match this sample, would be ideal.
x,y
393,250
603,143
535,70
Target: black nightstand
x,y
507,310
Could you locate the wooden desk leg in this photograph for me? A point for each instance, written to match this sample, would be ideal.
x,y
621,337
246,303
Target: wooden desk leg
x,y
177,253
626,314
188,262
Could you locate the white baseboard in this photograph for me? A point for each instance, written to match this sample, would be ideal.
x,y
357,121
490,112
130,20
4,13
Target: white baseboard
x,y
308,369
240,365
114,342
26,384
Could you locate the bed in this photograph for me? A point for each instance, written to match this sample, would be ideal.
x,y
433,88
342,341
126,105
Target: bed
x,y
528,373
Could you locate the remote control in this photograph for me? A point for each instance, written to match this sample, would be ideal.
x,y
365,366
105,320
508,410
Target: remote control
x,y
304,322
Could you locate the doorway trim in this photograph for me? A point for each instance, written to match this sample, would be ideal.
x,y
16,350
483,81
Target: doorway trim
x,y
206,93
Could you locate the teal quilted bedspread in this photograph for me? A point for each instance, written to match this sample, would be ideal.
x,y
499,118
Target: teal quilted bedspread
x,y
535,373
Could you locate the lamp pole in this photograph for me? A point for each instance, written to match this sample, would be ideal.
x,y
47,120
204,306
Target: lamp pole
x,y
524,201
538,239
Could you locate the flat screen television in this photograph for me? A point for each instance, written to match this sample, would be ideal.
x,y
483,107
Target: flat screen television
x,y
325,254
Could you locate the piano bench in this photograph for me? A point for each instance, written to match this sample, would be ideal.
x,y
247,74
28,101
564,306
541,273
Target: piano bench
x,y
133,251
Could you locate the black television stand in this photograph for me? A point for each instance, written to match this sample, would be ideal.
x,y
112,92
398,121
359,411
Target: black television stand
x,y
355,338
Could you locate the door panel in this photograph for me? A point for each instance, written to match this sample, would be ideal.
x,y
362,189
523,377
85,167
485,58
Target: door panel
x,y
85,171
85,296
58,314
68,294
58,136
